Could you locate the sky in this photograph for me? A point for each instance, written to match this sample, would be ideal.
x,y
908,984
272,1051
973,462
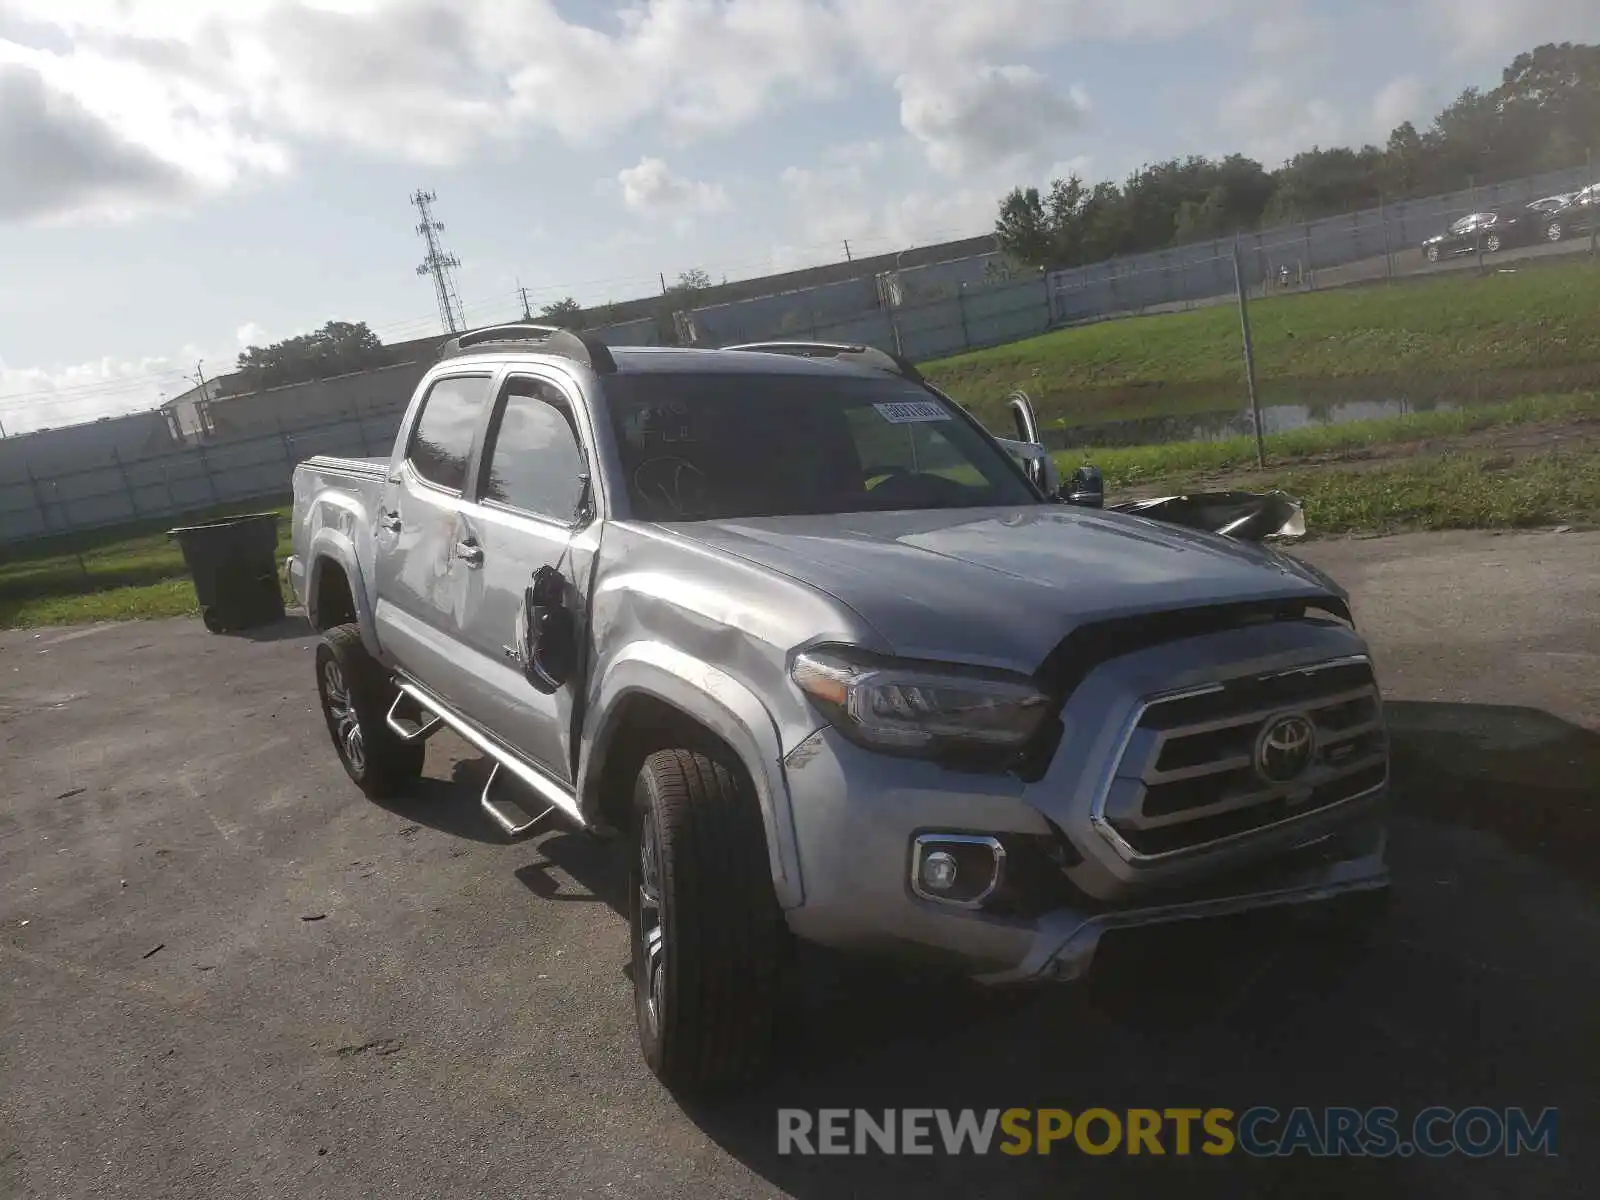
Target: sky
x,y
181,179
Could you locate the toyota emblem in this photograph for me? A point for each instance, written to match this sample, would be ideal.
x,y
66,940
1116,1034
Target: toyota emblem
x,y
1285,748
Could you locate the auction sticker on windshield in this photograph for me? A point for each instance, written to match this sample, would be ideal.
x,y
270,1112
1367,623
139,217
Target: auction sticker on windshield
x,y
901,412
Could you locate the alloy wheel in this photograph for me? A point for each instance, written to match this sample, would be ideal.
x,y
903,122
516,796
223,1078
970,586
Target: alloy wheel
x,y
652,925
342,717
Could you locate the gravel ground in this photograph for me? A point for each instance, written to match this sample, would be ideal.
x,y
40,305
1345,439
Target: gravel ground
x,y
223,972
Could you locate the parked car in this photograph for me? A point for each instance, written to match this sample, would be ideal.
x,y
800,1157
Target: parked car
x,y
796,628
1494,231
1551,203
1579,217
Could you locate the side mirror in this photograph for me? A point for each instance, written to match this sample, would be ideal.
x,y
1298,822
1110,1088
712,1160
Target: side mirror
x,y
1086,488
547,635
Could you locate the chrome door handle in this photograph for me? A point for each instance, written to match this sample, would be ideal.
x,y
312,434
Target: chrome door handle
x,y
470,553
389,521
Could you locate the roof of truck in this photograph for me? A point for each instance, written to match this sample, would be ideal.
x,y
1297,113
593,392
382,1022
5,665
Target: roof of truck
x,y
656,360
541,343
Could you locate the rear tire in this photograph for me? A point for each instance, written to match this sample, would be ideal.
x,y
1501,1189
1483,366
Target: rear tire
x,y
1554,231
1431,254
1491,244
707,932
356,693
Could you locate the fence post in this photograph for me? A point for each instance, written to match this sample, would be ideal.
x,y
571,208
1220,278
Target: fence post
x,y
1310,269
38,497
1388,253
1594,225
361,428
205,469
961,311
1249,353
1477,234
127,485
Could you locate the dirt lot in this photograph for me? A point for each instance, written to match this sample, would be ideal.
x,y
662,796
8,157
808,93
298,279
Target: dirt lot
x,y
222,972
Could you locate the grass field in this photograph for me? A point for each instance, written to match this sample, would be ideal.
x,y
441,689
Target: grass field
x,y
1134,465
1503,334
109,576
1450,491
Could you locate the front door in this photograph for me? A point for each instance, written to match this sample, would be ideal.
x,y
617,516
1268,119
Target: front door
x,y
420,578
532,510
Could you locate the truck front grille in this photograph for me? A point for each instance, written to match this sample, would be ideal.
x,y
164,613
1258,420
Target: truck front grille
x,y
1244,755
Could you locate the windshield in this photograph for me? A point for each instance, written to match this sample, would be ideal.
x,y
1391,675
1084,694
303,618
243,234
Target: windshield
x,y
702,447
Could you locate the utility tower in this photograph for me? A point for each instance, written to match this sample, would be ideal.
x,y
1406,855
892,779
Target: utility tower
x,y
440,263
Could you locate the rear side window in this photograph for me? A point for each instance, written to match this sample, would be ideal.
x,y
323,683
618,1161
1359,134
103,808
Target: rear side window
x,y
441,443
535,462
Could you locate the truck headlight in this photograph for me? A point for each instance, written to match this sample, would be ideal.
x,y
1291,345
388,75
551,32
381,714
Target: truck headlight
x,y
926,709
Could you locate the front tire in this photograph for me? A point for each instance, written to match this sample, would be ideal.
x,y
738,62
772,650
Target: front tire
x,y
1431,254
706,927
1554,231
356,693
1492,244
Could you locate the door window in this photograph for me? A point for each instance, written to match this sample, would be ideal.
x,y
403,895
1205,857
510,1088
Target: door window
x,y
536,464
441,443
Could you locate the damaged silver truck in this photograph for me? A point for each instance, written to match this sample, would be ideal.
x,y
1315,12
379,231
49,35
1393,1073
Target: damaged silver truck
x,y
838,665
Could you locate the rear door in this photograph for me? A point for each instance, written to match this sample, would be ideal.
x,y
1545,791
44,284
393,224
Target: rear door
x,y
420,578
532,508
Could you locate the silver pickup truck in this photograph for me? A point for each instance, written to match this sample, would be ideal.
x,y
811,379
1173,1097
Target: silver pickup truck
x,y
824,652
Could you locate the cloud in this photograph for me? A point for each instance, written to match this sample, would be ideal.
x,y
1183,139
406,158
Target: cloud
x,y
650,187
854,154
252,333
987,117
1491,30
222,89
34,398
833,201
827,204
74,160
88,138
1276,121
1289,32
1400,100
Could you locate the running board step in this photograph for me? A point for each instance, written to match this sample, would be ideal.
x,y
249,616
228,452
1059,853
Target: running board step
x,y
541,788
406,729
507,810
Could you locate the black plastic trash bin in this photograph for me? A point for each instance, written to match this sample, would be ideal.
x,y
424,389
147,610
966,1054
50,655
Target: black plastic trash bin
x,y
234,567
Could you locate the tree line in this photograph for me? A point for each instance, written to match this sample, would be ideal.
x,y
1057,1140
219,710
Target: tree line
x,y
1544,115
341,347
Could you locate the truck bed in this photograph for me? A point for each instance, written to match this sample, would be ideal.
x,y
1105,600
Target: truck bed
x,y
366,468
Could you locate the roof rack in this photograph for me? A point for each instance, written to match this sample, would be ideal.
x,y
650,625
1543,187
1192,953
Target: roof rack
x,y
551,339
867,356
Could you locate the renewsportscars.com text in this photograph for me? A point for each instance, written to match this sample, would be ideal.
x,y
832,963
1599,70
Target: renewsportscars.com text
x,y
1475,1132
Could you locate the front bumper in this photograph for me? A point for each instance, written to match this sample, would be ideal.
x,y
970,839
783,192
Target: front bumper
x,y
857,815
1066,940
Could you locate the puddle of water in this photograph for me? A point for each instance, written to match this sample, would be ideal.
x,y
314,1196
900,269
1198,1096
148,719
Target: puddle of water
x,y
1219,426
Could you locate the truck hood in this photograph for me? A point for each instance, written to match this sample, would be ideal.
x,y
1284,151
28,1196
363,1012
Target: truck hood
x,y
1002,587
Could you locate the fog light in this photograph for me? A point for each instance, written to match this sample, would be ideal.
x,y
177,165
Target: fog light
x,y
939,871
956,868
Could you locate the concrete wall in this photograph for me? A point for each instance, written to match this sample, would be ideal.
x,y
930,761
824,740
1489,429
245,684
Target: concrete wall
x,y
301,405
182,479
